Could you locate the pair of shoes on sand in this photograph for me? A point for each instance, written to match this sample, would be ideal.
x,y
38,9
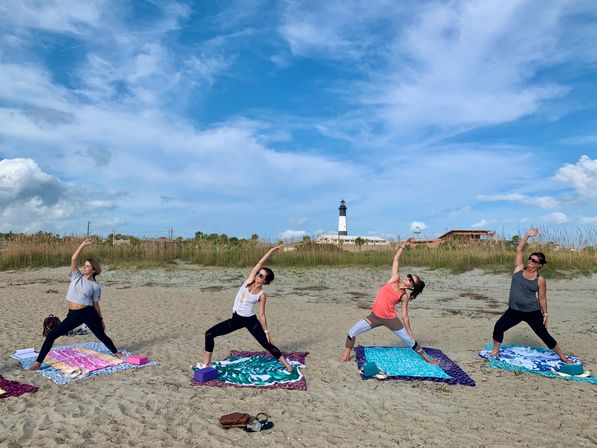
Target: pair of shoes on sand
x,y
260,422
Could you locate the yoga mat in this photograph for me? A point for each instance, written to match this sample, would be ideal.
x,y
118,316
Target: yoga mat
x,y
56,376
534,360
401,364
14,388
258,370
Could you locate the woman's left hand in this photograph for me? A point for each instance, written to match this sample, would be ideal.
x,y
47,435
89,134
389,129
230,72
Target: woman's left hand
x,y
545,320
269,338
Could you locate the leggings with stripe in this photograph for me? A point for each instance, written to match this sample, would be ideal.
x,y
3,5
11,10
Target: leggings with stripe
x,y
237,322
533,318
88,316
371,321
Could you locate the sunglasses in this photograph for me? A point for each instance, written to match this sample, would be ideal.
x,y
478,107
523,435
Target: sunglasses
x,y
534,260
411,279
260,275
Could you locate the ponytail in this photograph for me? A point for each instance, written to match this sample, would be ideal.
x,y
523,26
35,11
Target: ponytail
x,y
418,289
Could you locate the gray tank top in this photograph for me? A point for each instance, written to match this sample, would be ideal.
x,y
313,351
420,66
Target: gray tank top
x,y
523,293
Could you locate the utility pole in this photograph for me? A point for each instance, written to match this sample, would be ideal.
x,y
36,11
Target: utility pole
x,y
113,237
88,223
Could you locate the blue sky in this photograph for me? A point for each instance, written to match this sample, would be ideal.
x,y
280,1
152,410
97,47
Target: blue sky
x,y
244,117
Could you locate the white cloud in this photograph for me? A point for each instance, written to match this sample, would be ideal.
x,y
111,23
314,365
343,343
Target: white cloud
x,y
581,176
557,218
64,16
32,199
293,235
542,201
482,223
591,220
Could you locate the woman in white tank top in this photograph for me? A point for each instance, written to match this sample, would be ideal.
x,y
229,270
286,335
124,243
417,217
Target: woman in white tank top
x,y
243,314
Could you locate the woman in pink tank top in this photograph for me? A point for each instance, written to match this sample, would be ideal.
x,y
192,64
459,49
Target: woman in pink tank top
x,y
383,312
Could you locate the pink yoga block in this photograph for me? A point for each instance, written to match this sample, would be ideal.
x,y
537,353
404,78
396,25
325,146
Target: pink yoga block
x,y
205,374
137,359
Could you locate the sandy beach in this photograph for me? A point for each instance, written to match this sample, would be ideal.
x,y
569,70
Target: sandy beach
x,y
164,313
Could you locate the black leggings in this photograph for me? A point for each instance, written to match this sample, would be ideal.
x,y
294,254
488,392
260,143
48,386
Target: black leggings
x,y
237,322
88,316
513,317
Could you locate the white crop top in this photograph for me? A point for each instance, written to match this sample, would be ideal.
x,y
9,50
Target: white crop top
x,y
245,301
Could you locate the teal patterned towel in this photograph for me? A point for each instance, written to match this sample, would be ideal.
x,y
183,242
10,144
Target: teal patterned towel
x,y
401,361
536,360
256,371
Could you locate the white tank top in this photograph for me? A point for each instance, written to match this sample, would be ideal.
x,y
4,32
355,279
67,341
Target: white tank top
x,y
245,301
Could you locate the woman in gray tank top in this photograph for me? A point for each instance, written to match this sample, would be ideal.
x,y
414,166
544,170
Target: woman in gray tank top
x,y
527,301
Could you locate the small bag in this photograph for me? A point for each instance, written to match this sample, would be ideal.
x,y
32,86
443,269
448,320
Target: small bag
x,y
235,420
50,323
369,369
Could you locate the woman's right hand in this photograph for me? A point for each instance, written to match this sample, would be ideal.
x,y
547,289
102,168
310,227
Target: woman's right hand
x,y
533,232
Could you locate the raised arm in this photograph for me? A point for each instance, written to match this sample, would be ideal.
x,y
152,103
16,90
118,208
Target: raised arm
x,y
519,263
74,260
396,262
260,263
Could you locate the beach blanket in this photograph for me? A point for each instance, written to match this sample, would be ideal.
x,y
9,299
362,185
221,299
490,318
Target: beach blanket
x,y
14,388
401,363
93,358
535,360
258,369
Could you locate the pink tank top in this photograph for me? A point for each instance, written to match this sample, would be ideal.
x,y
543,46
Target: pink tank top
x,y
385,301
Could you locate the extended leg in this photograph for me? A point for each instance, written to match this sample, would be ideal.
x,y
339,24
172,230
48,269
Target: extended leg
x,y
254,327
360,327
535,321
508,320
71,322
93,320
225,327
403,334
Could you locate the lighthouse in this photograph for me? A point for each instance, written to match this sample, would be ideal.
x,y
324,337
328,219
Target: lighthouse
x,y
342,219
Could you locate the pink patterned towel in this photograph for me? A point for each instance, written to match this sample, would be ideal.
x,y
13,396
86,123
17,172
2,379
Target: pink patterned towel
x,y
74,357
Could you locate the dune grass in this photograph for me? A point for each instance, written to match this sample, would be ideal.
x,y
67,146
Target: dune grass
x,y
32,251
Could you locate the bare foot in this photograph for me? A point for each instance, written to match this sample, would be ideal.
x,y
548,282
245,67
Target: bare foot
x,y
119,355
494,354
35,366
435,362
566,360
344,359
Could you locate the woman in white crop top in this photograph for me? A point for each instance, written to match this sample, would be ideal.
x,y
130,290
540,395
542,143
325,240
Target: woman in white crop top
x,y
243,314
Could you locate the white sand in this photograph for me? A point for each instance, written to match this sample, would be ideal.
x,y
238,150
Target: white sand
x,y
164,314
